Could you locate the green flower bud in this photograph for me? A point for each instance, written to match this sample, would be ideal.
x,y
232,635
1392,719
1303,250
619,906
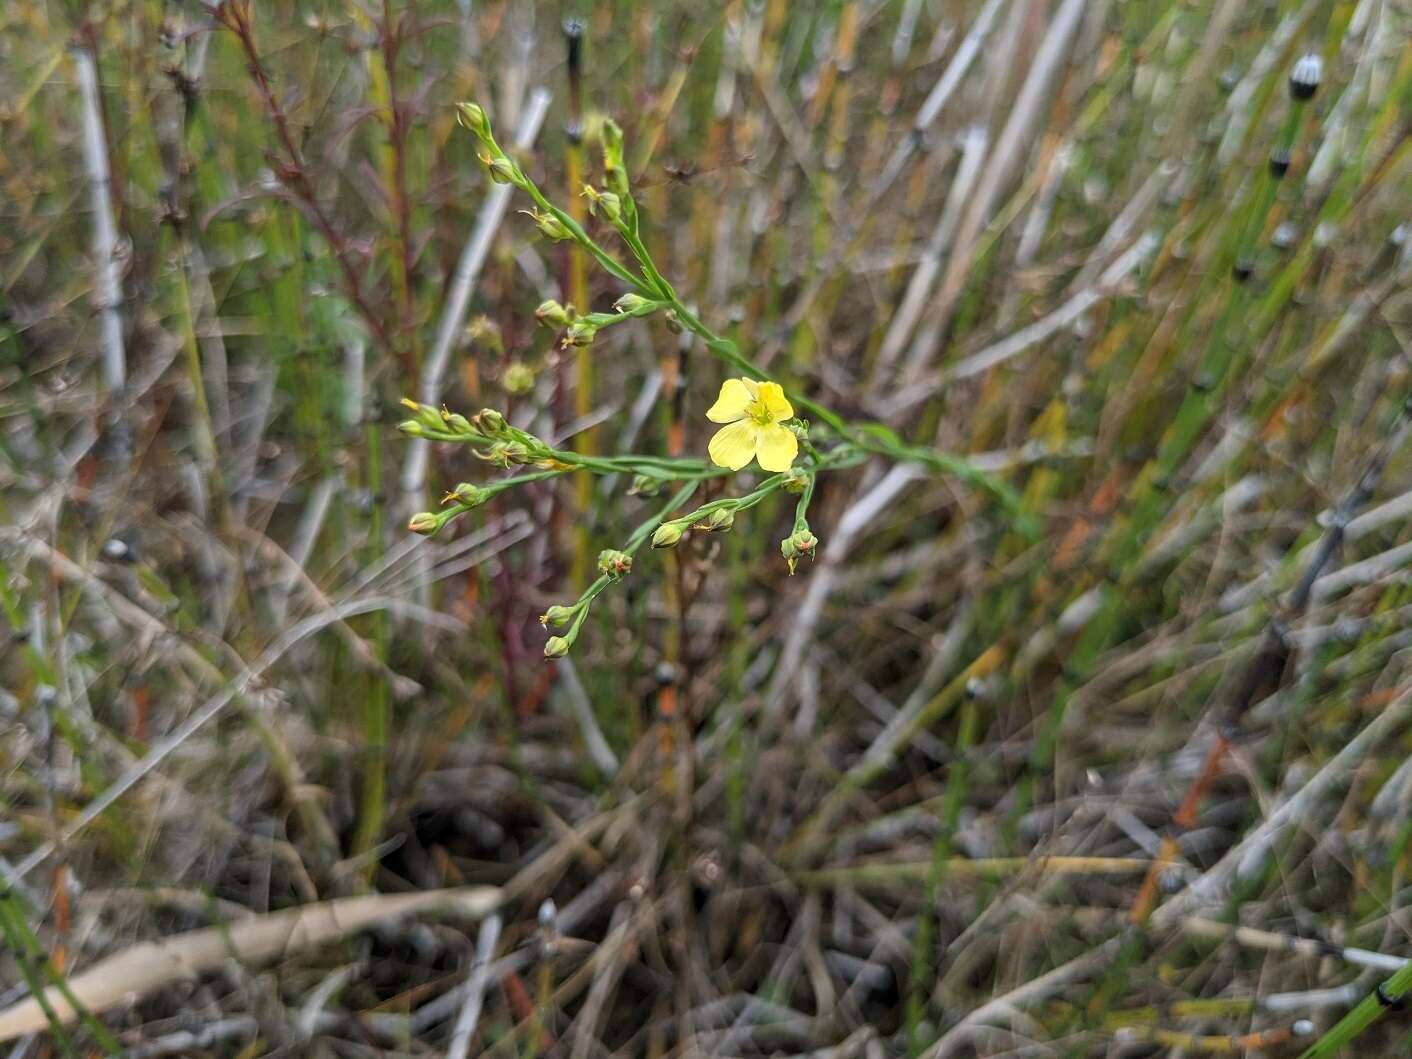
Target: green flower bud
x,y
718,521
556,647
549,225
796,546
580,333
603,203
644,485
631,302
468,495
424,522
795,480
505,453
501,169
667,535
410,427
552,314
472,116
428,416
805,541
615,173
518,378
614,563
612,135
491,423
458,424
557,615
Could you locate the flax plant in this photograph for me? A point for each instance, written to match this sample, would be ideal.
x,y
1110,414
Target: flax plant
x,y
756,414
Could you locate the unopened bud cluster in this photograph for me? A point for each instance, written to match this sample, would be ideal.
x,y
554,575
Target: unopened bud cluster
x,y
797,545
495,441
444,425
613,563
581,330
718,517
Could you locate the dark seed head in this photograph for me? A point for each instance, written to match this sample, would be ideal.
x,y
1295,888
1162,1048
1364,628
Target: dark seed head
x,y
1279,162
1244,268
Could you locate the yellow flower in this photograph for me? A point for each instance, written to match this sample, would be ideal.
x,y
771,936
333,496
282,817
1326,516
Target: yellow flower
x,y
755,413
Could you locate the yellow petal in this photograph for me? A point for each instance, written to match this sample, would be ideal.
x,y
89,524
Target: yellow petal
x,y
773,398
776,448
730,405
734,445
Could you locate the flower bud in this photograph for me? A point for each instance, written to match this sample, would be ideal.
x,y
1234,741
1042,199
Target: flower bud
x,y
718,521
458,424
556,647
795,480
426,415
557,615
410,427
549,225
552,314
615,173
424,522
603,202
505,453
501,169
644,485
630,302
674,324
1305,77
491,423
797,545
667,535
580,333
468,495
612,135
614,563
472,116
518,378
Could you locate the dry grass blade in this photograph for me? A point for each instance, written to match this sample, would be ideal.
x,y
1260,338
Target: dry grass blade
x,y
144,968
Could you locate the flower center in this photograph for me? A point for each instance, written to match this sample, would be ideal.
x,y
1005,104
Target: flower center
x,y
757,411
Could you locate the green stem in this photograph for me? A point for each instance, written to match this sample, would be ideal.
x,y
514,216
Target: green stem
x,y
1387,995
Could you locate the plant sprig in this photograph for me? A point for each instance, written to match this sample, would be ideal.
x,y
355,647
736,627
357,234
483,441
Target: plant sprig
x,y
619,208
648,293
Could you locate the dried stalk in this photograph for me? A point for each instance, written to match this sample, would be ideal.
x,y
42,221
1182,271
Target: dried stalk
x,y
148,966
